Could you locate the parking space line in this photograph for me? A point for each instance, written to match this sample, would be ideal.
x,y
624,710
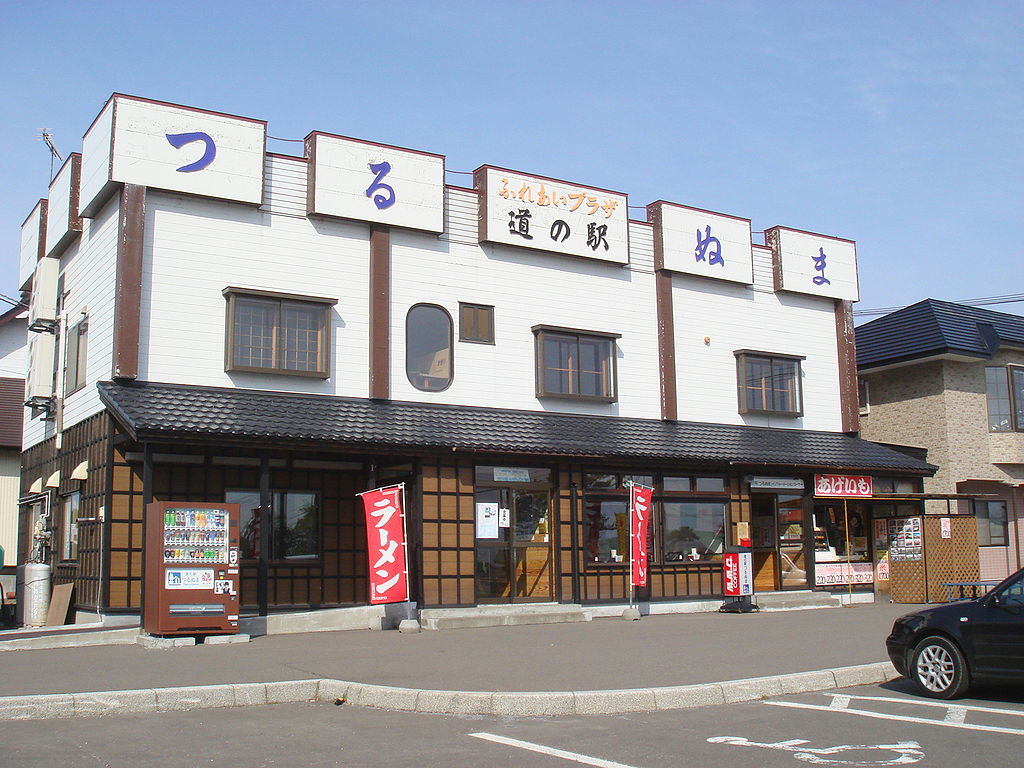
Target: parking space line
x,y
904,718
540,748
920,703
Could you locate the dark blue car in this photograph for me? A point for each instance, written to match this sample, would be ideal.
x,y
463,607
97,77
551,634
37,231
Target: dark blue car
x,y
947,648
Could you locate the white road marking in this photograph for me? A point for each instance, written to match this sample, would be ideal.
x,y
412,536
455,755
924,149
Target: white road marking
x,y
906,751
574,756
904,718
921,703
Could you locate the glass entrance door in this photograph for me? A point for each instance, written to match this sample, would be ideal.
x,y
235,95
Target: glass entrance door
x,y
513,549
792,547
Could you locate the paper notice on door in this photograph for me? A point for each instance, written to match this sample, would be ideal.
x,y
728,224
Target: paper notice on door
x,y
503,517
487,520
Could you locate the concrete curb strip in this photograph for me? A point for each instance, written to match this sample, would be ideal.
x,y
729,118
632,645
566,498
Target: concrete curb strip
x,y
504,703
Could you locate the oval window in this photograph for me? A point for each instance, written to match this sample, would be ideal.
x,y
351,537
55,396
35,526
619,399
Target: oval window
x,y
428,347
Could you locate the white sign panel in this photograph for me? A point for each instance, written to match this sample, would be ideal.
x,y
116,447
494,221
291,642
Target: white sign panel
x,y
777,483
549,215
829,574
33,240
815,264
375,182
698,242
511,475
487,521
189,578
187,150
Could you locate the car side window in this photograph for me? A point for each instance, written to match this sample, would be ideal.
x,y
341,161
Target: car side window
x,y
1013,593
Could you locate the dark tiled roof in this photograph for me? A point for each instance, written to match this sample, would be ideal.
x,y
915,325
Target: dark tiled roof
x,y
153,411
933,327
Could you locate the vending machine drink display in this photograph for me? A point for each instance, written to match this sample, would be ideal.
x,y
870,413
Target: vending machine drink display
x,y
191,568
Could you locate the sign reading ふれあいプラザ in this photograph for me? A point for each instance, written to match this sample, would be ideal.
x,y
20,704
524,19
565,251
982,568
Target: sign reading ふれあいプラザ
x,y
550,215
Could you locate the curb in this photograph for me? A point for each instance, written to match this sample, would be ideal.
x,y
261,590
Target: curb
x,y
503,704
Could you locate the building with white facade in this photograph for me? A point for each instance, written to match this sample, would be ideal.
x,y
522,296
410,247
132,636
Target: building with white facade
x,y
284,332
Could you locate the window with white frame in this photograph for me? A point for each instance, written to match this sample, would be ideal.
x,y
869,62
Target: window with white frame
x,y
1004,394
991,517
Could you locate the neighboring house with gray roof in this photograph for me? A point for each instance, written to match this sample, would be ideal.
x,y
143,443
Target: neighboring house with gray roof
x,y
950,378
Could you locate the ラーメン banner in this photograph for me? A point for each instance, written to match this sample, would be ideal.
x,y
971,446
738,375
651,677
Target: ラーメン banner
x,y
639,518
385,544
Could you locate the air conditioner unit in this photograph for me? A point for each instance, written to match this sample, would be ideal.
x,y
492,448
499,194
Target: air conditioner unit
x,y
42,306
39,394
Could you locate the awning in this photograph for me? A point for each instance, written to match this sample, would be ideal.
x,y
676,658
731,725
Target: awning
x,y
157,412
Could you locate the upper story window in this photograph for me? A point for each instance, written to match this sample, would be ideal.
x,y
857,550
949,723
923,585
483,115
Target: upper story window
x,y
575,364
769,383
428,348
476,323
74,369
1004,391
863,397
272,332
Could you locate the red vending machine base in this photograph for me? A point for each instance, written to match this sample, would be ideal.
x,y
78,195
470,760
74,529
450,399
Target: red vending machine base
x,y
192,569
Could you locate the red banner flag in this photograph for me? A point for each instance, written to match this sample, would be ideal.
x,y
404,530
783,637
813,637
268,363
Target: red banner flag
x,y
385,545
639,517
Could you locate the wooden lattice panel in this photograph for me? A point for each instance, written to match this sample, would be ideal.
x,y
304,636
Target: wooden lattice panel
x,y
953,559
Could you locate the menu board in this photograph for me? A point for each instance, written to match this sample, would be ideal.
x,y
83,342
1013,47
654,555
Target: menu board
x,y
195,535
905,539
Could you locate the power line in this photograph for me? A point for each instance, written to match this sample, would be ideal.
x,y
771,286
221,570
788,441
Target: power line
x,y
979,302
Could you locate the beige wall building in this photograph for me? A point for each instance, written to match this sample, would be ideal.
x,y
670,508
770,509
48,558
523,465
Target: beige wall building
x,y
950,378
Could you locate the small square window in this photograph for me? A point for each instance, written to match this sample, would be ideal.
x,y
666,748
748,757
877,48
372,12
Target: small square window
x,y
278,333
476,323
769,383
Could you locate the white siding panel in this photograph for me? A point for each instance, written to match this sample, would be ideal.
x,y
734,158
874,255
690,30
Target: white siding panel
x,y
641,246
764,269
284,190
14,348
197,248
737,317
526,289
90,267
461,223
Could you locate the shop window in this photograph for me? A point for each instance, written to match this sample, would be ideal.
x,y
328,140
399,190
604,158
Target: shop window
x,y
476,323
687,523
278,333
769,383
840,534
693,530
1004,393
294,524
74,368
428,348
991,518
575,364
69,526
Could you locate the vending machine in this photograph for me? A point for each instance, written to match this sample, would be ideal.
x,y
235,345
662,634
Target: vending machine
x,y
192,568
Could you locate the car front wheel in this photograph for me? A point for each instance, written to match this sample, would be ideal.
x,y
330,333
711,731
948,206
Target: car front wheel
x,y
939,668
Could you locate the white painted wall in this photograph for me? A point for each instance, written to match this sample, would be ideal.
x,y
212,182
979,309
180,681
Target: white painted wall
x,y
526,288
89,266
10,477
14,347
195,248
738,317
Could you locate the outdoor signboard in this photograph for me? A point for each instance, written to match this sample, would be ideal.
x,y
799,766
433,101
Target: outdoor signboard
x,y
831,574
378,183
550,215
814,264
385,544
737,574
843,486
639,519
699,242
179,149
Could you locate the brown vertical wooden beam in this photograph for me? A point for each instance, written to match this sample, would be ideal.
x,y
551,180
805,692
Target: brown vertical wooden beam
x,y
128,288
666,345
380,312
849,402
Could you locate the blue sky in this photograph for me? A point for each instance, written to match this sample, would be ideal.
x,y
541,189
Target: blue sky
x,y
895,124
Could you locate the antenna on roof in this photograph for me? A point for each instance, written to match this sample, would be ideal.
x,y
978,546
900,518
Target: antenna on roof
x,y
47,138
